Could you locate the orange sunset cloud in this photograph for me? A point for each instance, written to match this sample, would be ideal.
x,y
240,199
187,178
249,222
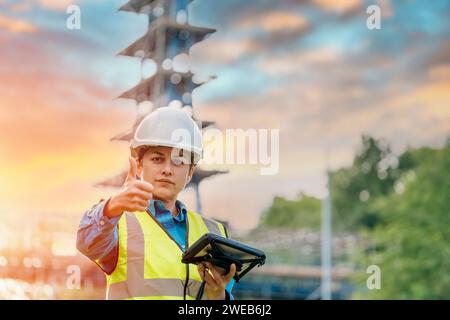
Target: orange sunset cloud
x,y
14,25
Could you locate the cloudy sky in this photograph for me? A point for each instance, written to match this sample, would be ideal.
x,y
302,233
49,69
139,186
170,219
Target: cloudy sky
x,y
310,68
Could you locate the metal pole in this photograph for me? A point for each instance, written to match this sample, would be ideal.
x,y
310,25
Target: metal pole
x,y
326,243
197,197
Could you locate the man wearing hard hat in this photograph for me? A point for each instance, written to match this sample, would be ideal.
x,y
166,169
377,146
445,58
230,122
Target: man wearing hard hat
x,y
138,236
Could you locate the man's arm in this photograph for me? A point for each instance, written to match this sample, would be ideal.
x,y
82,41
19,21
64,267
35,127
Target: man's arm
x,y
97,237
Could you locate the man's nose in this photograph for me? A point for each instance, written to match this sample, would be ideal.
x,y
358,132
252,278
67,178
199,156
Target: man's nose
x,y
167,168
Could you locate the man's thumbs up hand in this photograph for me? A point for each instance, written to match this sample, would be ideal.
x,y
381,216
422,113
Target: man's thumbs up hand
x,y
132,171
134,195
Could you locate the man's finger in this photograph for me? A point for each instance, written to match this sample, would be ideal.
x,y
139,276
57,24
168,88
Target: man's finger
x,y
140,202
211,282
132,171
230,274
218,277
144,195
204,271
216,274
144,186
201,270
138,208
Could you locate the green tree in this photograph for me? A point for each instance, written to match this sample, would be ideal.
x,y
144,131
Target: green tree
x,y
304,212
412,243
357,188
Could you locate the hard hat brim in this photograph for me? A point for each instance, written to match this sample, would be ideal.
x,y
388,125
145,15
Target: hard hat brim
x,y
136,145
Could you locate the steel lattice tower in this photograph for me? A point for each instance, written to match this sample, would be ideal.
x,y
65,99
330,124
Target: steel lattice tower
x,y
168,35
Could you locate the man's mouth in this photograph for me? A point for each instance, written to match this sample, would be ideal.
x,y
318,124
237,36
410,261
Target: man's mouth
x,y
165,180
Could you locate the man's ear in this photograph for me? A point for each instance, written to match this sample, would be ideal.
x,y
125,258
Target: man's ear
x,y
190,174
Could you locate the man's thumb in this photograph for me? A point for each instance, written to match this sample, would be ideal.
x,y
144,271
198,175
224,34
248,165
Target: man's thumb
x,y
132,172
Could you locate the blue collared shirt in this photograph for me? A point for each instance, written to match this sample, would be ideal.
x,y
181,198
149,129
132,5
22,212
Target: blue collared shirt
x,y
98,236
175,226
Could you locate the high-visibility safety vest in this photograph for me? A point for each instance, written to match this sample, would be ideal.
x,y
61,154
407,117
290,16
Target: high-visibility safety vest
x,y
149,263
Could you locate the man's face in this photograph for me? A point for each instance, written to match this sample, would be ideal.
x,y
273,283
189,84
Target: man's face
x,y
166,170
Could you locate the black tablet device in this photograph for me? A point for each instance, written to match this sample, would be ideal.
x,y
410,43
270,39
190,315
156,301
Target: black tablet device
x,y
222,252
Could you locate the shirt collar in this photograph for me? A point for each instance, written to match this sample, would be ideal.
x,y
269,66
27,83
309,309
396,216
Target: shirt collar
x,y
158,207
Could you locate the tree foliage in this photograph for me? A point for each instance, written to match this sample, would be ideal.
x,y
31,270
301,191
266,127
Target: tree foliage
x,y
304,212
412,244
401,205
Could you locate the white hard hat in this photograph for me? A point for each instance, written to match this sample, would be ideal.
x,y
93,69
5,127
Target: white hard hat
x,y
169,127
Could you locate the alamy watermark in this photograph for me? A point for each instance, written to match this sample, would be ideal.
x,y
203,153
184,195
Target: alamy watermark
x,y
237,146
73,21
374,280
374,19
73,281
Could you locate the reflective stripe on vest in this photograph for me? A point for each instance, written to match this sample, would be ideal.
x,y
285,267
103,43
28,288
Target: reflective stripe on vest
x,y
149,263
